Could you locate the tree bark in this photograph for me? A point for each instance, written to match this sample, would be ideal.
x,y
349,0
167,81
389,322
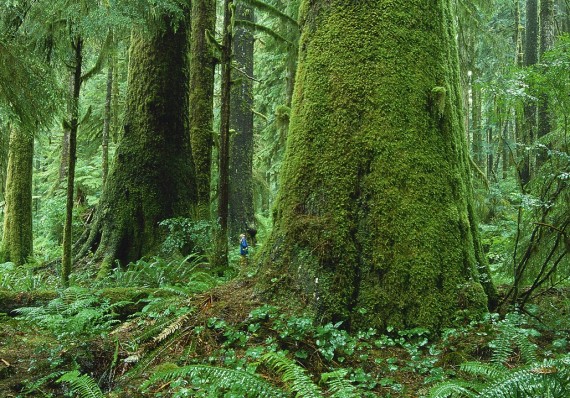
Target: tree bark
x,y
107,120
374,224
241,211
17,240
221,255
77,45
152,176
202,66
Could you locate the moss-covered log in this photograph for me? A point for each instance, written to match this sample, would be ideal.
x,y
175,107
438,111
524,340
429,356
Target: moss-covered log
x,y
152,176
374,223
130,297
17,241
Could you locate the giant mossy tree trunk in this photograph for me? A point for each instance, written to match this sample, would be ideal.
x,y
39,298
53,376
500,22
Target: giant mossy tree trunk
x,y
152,177
241,122
202,66
374,224
17,241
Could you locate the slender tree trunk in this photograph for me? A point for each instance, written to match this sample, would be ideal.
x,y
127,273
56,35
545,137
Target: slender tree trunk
x,y
4,140
17,241
221,257
490,151
372,228
73,121
546,42
530,59
152,177
506,156
478,151
64,154
107,121
241,211
202,66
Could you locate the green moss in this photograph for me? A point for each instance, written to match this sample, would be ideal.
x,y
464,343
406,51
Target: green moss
x,y
375,182
152,176
17,240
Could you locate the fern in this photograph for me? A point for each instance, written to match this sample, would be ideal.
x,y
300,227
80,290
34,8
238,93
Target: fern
x,y
451,389
218,378
489,371
82,385
548,379
172,328
512,335
339,386
293,375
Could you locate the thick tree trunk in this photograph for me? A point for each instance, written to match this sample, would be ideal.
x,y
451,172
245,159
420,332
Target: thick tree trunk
x,y
202,66
71,152
374,224
221,255
17,241
241,211
152,177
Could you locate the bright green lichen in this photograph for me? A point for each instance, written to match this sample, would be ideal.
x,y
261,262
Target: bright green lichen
x,y
375,183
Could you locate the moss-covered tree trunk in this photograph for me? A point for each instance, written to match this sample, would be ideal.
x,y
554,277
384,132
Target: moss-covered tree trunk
x,y
241,122
202,66
152,177
374,224
221,250
77,44
17,240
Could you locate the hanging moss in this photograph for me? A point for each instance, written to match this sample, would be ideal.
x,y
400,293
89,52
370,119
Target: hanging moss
x,y
373,223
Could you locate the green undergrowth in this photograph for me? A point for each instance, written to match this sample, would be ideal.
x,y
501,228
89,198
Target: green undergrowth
x,y
195,334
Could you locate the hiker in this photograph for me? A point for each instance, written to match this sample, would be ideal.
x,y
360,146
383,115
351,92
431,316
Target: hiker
x,y
243,248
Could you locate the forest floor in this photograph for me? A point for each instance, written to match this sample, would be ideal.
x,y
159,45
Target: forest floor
x,y
228,327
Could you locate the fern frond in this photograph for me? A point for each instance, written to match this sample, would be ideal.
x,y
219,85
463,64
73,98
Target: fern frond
x,y
172,328
450,389
82,385
339,386
219,378
293,375
490,371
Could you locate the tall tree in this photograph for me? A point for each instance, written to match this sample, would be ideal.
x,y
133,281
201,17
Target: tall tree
x,y
221,255
241,211
77,45
17,238
546,42
152,176
530,59
370,227
202,66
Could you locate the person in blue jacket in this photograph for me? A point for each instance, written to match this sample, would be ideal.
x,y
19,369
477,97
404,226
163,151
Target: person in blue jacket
x,y
243,248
